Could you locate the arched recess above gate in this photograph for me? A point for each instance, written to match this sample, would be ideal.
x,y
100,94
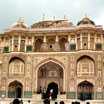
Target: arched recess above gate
x,y
49,71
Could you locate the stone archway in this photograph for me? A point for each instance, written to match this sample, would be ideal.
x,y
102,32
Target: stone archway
x,y
85,90
47,73
15,89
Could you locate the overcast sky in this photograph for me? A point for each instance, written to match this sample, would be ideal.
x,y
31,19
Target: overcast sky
x,y
33,10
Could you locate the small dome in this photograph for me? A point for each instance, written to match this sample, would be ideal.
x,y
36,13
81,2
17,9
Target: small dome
x,y
20,24
85,21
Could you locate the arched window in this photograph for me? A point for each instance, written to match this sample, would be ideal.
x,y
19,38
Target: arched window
x,y
85,66
16,67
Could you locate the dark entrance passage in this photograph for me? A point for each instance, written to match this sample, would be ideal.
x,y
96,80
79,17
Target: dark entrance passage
x,y
52,90
15,90
18,92
85,90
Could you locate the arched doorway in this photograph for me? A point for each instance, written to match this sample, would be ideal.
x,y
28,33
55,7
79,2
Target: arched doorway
x,y
52,90
47,73
15,90
85,90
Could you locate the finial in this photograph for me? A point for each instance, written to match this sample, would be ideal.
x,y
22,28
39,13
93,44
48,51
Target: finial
x,y
65,17
86,16
21,20
53,17
43,18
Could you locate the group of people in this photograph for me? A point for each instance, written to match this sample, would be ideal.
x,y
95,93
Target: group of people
x,y
17,101
50,94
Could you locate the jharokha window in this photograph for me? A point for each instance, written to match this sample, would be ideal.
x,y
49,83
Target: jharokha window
x,y
16,67
85,66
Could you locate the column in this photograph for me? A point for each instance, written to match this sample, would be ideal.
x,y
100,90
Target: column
x,y
76,42
57,38
32,43
26,42
44,46
12,43
95,41
19,43
88,40
81,41
57,46
102,41
4,42
44,39
69,38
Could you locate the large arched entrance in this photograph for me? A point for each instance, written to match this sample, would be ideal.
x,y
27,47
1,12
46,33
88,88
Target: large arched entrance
x,y
50,75
52,90
15,90
85,90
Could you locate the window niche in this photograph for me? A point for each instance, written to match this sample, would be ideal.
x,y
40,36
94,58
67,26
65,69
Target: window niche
x,y
28,48
85,66
98,46
16,67
72,47
6,49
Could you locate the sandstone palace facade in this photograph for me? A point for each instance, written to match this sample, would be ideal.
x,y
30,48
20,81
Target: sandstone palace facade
x,y
52,54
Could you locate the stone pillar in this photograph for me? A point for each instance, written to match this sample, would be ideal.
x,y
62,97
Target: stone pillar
x,y
88,41
95,41
102,41
76,42
44,46
44,39
4,41
69,38
26,39
19,43
68,44
56,45
12,43
57,38
32,43
81,41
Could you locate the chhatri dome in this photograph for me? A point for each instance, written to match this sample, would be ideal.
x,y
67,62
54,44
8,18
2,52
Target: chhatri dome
x,y
20,24
86,21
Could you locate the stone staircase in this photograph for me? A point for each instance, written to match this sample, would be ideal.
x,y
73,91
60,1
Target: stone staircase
x,y
66,101
36,99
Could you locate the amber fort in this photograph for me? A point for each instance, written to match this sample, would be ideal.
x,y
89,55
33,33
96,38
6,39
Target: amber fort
x,y
52,55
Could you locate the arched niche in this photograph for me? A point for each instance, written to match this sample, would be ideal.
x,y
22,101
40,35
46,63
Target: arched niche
x,y
85,90
49,72
85,66
15,89
16,66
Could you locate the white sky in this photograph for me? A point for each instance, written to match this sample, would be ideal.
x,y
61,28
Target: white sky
x,y
33,10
